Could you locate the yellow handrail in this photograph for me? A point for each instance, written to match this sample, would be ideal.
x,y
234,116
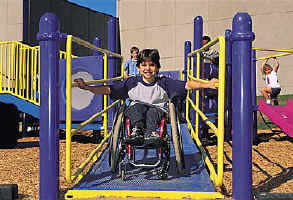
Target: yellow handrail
x,y
69,132
68,109
274,56
275,50
93,47
217,178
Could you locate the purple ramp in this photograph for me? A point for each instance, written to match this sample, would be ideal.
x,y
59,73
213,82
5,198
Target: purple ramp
x,y
281,115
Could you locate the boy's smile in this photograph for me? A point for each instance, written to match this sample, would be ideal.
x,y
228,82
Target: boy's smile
x,y
148,70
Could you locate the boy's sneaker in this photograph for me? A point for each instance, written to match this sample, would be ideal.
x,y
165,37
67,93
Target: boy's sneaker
x,y
136,132
136,137
268,101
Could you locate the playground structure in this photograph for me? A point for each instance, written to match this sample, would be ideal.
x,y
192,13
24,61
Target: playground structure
x,y
281,115
238,41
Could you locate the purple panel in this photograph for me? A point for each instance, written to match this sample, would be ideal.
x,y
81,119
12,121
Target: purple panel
x,y
280,115
94,66
171,74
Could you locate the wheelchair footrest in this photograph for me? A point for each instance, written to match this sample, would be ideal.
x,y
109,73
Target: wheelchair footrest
x,y
154,142
135,141
146,143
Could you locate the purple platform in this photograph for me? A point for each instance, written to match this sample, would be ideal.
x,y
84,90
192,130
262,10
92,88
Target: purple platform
x,y
281,115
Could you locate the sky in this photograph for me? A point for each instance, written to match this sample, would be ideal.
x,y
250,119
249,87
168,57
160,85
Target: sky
x,y
104,6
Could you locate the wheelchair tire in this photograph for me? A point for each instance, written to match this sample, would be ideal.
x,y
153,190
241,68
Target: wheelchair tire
x,y
114,151
177,143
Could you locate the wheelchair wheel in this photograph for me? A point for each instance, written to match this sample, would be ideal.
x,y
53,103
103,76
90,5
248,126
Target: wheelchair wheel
x,y
176,137
114,143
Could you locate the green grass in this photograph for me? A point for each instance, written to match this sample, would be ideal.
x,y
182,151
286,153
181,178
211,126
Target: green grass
x,y
282,101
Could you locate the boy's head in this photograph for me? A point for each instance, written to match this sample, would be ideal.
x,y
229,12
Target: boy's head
x,y
205,39
134,52
148,63
267,69
149,55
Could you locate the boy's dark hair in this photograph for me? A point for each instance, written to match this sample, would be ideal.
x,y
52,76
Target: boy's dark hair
x,y
132,49
149,54
206,38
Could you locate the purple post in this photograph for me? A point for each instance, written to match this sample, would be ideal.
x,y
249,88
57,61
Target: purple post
x,y
187,50
228,53
98,43
242,37
253,94
112,67
197,43
49,37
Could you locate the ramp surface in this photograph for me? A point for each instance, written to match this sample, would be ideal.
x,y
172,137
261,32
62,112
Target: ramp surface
x,y
195,178
281,115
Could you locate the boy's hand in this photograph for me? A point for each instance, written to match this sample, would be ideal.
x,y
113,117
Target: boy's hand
x,y
214,83
81,84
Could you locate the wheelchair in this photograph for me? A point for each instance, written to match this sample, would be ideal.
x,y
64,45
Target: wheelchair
x,y
122,151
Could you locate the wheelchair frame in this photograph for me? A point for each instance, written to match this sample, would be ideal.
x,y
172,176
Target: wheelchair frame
x,y
119,149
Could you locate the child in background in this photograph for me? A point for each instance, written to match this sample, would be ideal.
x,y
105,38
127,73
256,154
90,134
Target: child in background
x,y
209,55
149,93
272,89
130,65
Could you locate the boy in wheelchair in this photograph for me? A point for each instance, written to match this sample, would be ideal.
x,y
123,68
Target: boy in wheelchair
x,y
149,95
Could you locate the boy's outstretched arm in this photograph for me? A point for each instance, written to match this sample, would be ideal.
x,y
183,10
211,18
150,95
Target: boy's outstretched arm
x,y
194,85
276,65
103,89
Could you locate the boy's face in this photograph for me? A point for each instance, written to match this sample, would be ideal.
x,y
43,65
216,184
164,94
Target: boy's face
x,y
148,70
134,55
204,42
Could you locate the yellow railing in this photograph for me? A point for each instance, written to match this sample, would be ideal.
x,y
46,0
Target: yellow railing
x,y
19,69
69,132
287,53
215,175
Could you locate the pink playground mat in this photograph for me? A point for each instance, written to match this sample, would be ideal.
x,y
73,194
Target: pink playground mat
x,y
281,115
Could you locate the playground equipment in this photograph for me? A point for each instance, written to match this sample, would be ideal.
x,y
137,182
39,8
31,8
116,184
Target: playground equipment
x,y
281,115
241,37
197,184
20,87
195,170
278,114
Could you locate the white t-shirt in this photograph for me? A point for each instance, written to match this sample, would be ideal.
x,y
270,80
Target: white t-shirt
x,y
272,80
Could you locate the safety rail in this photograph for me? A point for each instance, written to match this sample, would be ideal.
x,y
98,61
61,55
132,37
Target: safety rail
x,y
20,71
69,132
216,177
62,54
288,53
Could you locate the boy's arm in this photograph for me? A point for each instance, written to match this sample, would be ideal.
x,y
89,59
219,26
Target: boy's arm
x,y
276,66
126,67
125,75
263,65
194,85
103,89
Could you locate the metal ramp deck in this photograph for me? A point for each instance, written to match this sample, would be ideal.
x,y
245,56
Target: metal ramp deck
x,y
194,183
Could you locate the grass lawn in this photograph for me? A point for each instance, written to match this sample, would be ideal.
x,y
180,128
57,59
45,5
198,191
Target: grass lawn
x,y
260,122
